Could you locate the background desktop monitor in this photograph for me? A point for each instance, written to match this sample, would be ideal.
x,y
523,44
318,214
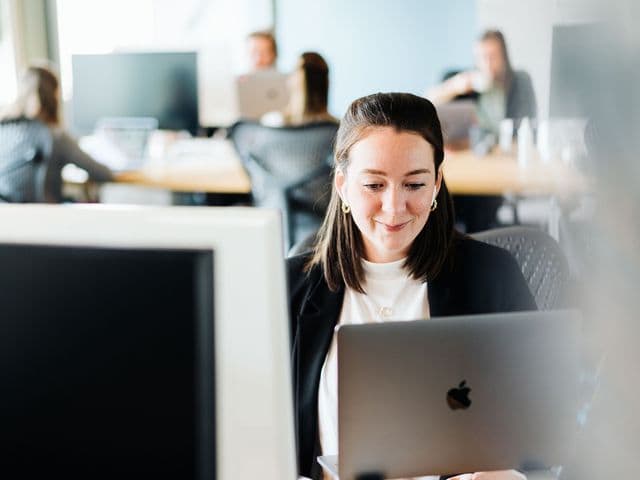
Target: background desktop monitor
x,y
253,404
575,50
162,85
107,361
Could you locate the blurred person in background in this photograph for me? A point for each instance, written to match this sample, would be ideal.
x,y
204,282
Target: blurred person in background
x,y
500,91
38,99
308,94
262,51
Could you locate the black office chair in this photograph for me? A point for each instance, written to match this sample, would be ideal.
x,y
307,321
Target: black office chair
x,y
290,168
541,260
24,147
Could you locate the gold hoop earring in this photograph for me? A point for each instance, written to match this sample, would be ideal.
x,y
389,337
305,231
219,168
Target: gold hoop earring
x,y
345,208
434,205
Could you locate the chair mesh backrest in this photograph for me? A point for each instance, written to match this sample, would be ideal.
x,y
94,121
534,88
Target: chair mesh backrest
x,y
291,165
23,146
289,154
541,261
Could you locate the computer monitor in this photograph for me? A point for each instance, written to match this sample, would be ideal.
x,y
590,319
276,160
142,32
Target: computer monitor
x,y
253,401
108,362
162,85
575,52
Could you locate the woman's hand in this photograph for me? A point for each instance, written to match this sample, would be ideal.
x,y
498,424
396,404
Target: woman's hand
x,y
461,83
497,475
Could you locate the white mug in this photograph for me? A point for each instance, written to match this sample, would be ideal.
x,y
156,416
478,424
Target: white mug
x,y
480,81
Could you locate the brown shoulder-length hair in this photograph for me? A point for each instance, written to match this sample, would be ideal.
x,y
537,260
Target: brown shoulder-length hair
x,y
339,248
316,80
37,96
268,36
497,36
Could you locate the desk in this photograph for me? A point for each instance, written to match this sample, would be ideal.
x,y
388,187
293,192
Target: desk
x,y
499,174
175,167
201,165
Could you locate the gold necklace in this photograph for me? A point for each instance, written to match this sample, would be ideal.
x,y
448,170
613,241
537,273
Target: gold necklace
x,y
382,313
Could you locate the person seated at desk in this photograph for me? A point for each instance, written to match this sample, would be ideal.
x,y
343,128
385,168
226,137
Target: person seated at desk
x,y
262,51
308,94
502,92
499,92
387,250
39,99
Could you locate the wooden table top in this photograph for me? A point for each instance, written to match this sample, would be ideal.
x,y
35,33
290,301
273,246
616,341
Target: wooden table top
x,y
204,165
213,166
499,173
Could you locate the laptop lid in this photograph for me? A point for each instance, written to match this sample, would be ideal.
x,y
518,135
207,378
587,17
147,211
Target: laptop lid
x,y
456,119
261,92
120,143
457,394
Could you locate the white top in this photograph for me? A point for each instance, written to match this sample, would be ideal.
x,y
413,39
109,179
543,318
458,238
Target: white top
x,y
391,295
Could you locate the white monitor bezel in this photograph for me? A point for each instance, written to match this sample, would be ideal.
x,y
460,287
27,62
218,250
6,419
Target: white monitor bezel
x,y
254,401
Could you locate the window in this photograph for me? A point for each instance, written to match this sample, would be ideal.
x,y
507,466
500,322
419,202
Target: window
x,y
216,29
8,80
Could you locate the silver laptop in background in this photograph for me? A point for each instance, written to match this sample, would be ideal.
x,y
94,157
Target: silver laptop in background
x,y
120,143
456,119
457,394
261,92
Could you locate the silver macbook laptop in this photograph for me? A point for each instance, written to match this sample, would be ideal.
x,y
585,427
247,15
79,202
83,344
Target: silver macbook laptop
x,y
456,394
261,92
456,118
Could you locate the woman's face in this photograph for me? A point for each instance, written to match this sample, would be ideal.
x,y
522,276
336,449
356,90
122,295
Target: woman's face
x,y
389,184
261,54
489,59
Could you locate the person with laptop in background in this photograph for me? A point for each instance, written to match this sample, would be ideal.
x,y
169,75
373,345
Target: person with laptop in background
x,y
496,92
38,100
262,88
501,92
308,94
387,250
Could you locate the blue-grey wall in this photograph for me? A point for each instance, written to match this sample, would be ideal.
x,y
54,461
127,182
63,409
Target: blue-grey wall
x,y
377,45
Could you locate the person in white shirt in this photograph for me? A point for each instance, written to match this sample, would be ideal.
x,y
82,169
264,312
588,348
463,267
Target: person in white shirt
x,y
387,250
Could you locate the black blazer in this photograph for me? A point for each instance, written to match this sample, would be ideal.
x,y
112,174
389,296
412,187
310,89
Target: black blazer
x,y
478,278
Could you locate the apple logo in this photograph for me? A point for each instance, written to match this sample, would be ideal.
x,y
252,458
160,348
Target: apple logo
x,y
459,397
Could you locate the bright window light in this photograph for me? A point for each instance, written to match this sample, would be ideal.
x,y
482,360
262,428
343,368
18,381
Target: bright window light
x,y
7,60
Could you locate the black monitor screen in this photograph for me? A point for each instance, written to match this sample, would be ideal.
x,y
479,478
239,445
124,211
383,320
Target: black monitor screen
x,y
106,363
156,84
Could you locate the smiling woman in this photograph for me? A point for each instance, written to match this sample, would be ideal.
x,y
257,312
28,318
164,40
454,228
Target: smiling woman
x,y
387,250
